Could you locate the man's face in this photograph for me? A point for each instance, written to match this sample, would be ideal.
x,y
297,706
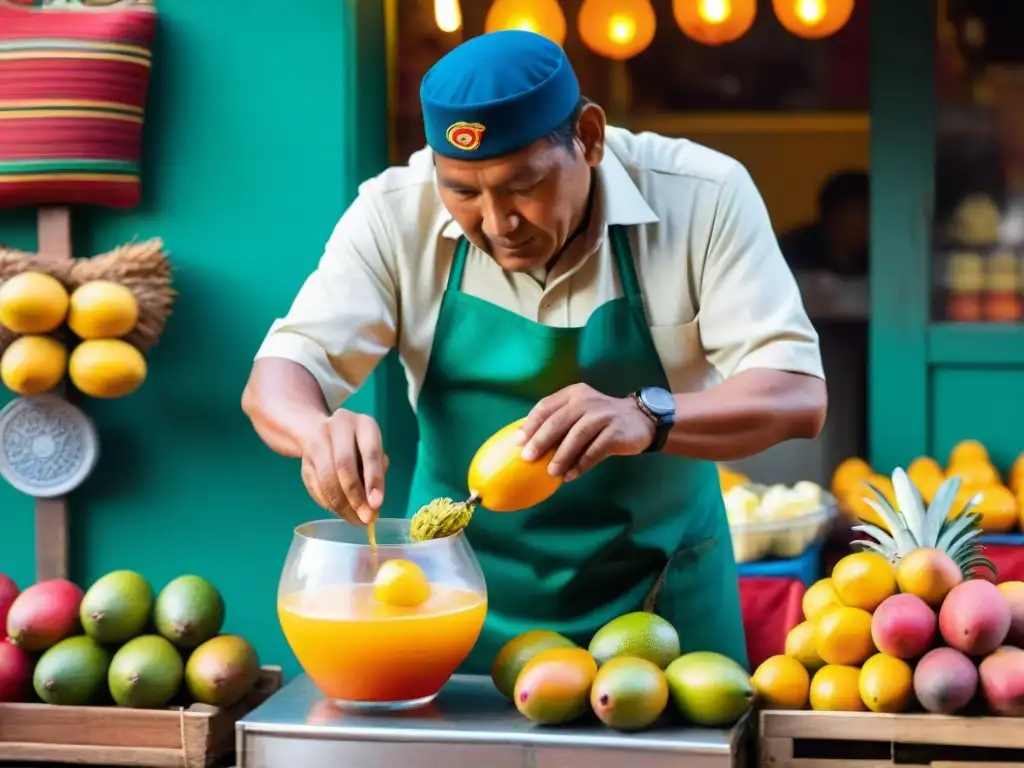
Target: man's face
x,y
522,208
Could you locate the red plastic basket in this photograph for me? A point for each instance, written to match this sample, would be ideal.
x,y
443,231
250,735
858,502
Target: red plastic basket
x,y
73,87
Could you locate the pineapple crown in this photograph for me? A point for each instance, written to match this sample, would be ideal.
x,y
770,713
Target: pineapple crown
x,y
912,527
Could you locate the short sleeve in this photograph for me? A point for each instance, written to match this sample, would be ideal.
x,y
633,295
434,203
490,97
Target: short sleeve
x,y
751,313
344,318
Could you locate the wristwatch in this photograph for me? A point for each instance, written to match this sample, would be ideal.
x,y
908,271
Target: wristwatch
x,y
659,406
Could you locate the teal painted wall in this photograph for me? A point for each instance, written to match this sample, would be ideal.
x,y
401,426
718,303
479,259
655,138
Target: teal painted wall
x,y
254,148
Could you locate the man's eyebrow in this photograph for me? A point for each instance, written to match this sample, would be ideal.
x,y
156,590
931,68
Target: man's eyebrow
x,y
455,185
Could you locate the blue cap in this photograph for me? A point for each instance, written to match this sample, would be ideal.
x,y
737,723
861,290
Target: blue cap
x,y
496,94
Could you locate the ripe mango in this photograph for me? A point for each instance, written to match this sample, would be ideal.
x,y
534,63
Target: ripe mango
x,y
640,634
1002,683
1013,591
15,672
945,681
44,614
629,694
517,652
975,618
709,689
903,626
554,686
503,480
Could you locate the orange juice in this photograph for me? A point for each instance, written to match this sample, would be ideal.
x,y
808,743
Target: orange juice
x,y
357,649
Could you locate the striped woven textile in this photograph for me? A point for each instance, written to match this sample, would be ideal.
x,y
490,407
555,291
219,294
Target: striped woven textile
x,y
73,85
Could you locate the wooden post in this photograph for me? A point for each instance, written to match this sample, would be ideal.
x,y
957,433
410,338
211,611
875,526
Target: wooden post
x,y
54,228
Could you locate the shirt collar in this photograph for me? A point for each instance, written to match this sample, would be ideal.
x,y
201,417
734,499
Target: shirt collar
x,y
618,196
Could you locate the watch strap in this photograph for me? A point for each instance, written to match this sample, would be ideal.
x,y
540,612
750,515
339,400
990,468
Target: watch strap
x,y
662,424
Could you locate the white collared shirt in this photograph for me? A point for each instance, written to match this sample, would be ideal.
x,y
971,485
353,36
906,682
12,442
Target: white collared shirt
x,y
719,296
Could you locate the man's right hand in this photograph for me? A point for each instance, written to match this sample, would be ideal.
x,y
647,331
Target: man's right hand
x,y
343,466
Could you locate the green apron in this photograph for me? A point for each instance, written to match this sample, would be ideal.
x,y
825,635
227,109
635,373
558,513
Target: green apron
x,y
603,544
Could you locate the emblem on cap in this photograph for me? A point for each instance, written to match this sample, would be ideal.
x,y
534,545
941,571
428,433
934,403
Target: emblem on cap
x,y
465,136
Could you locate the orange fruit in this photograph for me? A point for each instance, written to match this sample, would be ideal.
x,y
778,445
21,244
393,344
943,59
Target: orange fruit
x,y
886,684
818,598
864,580
975,473
1016,480
835,688
782,682
928,573
926,474
848,475
968,450
998,509
800,645
401,583
843,636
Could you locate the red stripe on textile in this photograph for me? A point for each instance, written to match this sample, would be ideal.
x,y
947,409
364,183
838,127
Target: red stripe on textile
x,y
120,195
89,80
133,27
49,138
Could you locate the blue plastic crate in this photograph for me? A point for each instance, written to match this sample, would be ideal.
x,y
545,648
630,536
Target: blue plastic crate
x,y
1006,539
806,568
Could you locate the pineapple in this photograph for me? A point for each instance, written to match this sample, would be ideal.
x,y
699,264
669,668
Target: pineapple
x,y
914,528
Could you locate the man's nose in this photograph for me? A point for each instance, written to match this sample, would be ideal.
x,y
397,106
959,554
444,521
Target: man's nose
x,y
499,221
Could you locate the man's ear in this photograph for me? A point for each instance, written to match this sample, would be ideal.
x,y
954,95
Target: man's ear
x,y
590,131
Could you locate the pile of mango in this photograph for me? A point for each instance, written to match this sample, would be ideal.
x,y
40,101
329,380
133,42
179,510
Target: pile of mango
x,y
1001,503
37,308
888,639
627,676
118,644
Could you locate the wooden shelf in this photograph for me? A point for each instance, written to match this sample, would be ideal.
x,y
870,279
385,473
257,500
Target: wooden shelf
x,y
976,344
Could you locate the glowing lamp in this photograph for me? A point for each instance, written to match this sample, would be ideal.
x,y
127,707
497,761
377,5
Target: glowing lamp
x,y
447,15
617,29
544,17
714,22
813,19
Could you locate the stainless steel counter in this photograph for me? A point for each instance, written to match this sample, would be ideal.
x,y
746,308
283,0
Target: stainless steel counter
x,y
470,726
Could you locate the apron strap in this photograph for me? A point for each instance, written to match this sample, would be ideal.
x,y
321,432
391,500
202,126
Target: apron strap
x,y
623,255
458,265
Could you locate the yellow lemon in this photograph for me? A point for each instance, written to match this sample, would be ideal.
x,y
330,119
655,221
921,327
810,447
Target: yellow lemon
x,y
819,597
800,645
102,309
843,636
32,365
107,368
782,682
834,688
968,450
864,580
32,302
848,475
886,684
401,583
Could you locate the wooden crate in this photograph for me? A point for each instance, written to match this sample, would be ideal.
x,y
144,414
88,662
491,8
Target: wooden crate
x,y
868,740
149,738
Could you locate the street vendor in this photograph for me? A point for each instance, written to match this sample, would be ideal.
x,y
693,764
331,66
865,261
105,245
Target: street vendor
x,y
624,292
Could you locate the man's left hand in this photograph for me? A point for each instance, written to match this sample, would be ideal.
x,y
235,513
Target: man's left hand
x,y
585,427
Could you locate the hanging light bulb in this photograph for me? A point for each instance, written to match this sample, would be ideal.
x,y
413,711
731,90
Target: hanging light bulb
x,y
813,19
617,29
714,22
544,17
447,15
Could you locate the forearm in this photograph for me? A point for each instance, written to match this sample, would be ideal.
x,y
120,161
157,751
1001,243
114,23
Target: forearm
x,y
746,414
284,402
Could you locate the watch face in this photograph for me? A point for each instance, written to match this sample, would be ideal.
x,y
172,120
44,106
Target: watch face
x,y
660,401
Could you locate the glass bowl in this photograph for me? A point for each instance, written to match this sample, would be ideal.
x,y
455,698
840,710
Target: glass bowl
x,y
361,653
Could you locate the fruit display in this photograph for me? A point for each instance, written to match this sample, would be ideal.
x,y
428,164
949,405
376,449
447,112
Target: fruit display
x,y
119,643
775,520
629,676
92,320
904,622
1000,500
